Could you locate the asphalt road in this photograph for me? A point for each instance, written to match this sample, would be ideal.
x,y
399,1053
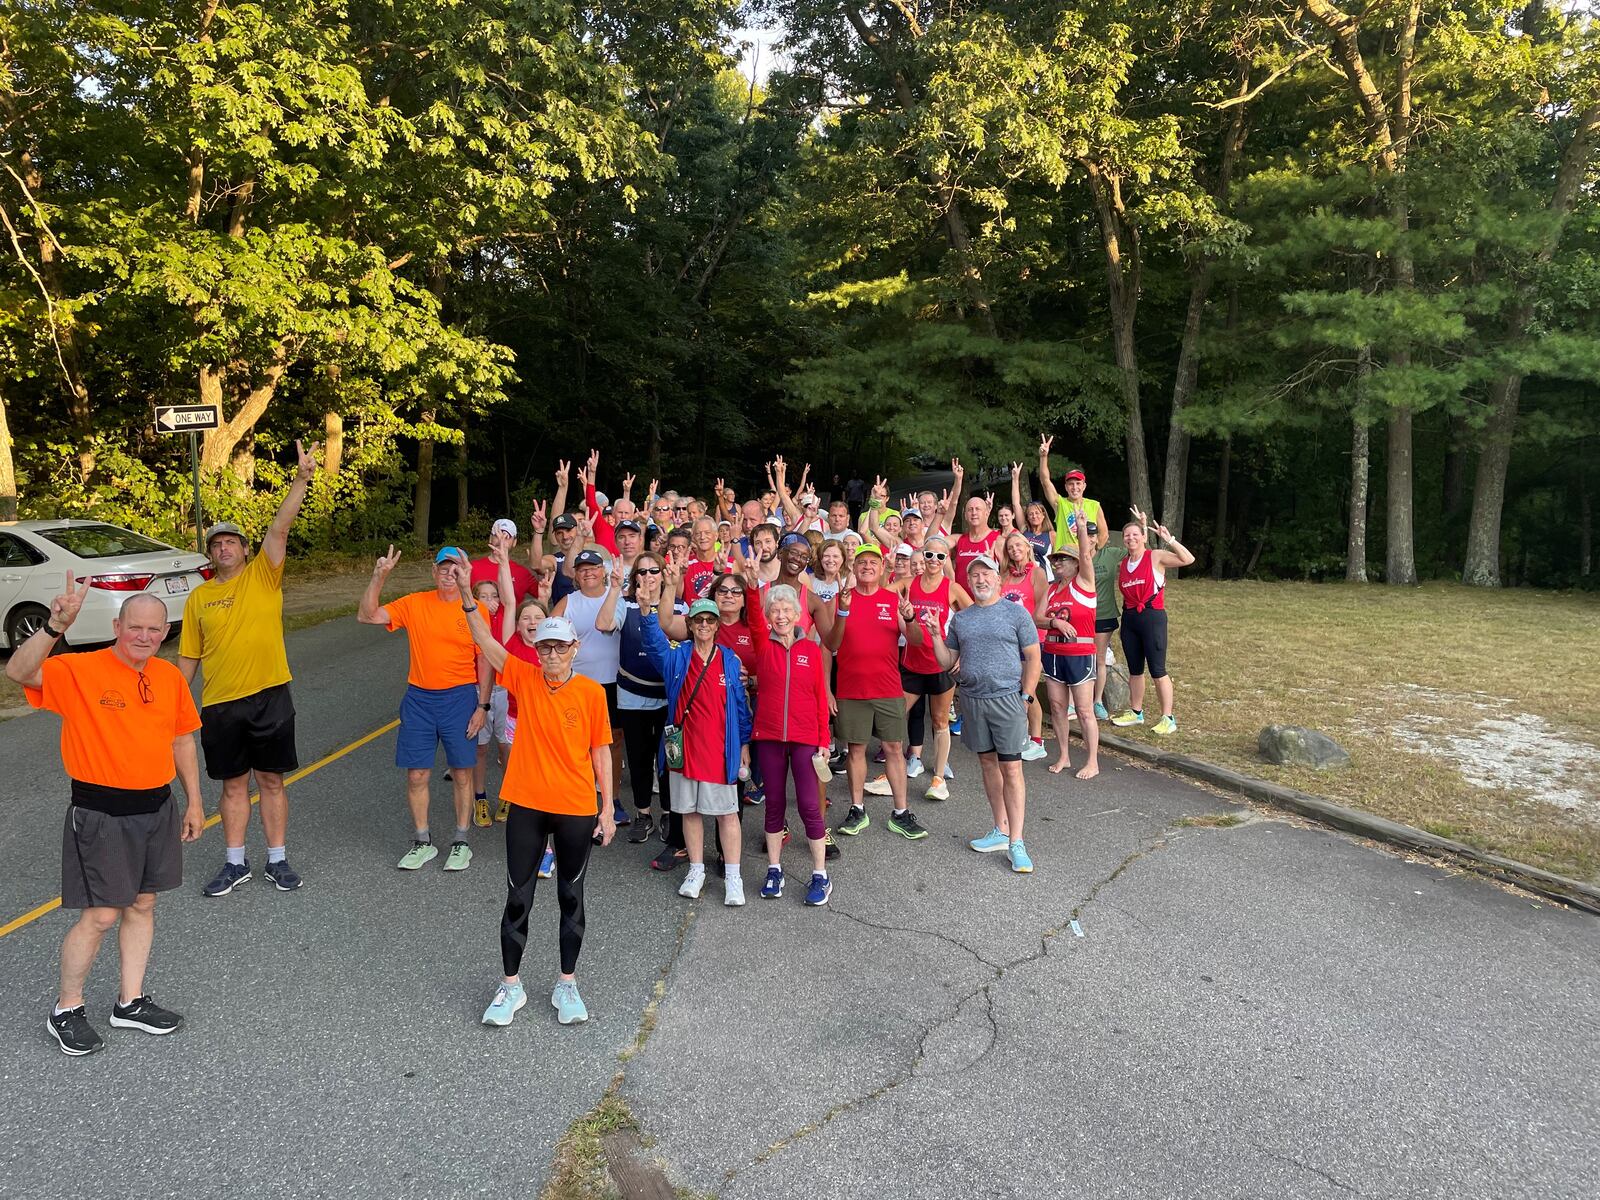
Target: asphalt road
x,y
1262,1010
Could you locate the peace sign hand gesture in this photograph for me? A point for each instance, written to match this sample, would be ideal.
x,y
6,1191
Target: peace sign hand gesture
x,y
1016,470
306,460
563,471
1044,445
64,608
540,514
386,562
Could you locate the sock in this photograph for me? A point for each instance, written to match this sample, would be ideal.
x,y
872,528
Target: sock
x,y
461,833
731,873
236,856
424,836
483,795
58,1010
275,854
901,811
1038,741
697,870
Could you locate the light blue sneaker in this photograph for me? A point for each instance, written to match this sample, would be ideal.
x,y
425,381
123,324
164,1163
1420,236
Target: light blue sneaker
x,y
991,841
568,1004
1020,862
547,864
508,998
1101,712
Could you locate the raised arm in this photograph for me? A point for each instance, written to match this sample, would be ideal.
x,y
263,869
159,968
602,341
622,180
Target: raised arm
x,y
1086,549
951,508
1016,494
536,521
507,590
558,505
780,477
370,611
276,544
493,652
1046,488
26,665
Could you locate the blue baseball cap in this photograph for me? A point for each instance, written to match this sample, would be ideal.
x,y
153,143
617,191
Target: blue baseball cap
x,y
451,554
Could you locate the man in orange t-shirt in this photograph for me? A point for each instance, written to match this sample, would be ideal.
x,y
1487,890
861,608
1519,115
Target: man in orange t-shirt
x,y
446,700
127,727
561,756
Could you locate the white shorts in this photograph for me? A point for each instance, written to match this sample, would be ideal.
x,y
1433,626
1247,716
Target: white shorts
x,y
496,725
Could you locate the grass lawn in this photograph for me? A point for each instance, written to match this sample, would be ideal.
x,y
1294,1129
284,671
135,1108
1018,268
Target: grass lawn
x,y
1472,714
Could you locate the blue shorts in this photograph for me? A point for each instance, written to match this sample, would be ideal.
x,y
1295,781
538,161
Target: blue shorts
x,y
428,717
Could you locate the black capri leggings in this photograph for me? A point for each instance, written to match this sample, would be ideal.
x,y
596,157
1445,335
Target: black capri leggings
x,y
641,741
526,831
1144,641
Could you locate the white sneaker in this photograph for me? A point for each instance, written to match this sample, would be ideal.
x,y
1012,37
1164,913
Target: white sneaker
x,y
879,787
913,769
733,893
937,791
1034,751
693,882
948,772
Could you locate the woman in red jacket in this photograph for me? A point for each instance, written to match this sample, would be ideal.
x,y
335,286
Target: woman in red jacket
x,y
791,728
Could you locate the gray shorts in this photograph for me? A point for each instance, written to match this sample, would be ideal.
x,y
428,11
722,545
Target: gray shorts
x,y
494,725
995,725
108,862
698,796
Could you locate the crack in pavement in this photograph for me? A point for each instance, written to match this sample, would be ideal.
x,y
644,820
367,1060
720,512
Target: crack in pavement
x,y
1295,1162
986,989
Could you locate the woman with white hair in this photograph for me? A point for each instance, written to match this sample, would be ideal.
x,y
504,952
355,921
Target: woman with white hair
x,y
791,729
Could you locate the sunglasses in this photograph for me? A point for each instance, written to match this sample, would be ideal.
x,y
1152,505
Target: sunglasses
x,y
934,555
551,649
703,619
647,570
147,694
728,592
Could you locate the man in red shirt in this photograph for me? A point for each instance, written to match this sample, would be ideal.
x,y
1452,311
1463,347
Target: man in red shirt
x,y
503,533
869,621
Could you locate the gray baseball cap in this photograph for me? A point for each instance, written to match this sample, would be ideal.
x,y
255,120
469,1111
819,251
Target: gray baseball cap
x,y
983,560
222,527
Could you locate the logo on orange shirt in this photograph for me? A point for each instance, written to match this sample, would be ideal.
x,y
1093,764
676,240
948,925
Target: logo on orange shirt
x,y
112,699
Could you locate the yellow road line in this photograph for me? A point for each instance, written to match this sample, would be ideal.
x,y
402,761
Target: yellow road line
x,y
50,906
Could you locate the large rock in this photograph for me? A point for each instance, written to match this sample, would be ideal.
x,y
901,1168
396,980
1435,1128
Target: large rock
x,y
1296,746
1116,695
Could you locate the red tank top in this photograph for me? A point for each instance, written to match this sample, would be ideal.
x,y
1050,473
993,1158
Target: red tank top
x,y
1070,602
869,655
1142,585
967,549
1019,591
918,656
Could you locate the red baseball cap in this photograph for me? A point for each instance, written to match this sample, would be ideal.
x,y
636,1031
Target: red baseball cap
x,y
1076,474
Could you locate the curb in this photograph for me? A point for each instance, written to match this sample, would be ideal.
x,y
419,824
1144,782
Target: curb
x,y
1349,820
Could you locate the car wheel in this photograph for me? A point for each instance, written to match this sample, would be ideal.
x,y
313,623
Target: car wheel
x,y
25,621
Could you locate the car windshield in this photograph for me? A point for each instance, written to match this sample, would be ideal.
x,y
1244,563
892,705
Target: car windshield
x,y
102,541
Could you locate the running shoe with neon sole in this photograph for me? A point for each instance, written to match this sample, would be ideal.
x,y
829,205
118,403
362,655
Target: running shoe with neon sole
x,y
420,855
480,813
1165,725
937,790
878,787
854,821
282,876
991,841
73,1033
819,891
772,889
913,766
230,877
568,1004
905,823
547,864
1100,711
1126,717
1034,751
1020,862
508,1001
503,812
459,857
830,848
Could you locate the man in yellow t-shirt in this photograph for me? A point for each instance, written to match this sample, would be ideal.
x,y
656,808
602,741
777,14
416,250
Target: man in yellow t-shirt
x,y
1072,507
233,628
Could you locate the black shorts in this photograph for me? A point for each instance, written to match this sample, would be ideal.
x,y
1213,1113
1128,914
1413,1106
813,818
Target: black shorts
x,y
1144,641
922,683
1105,624
109,861
1070,669
252,733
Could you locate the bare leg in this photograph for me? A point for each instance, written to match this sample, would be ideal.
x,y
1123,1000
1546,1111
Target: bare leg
x,y
995,789
1164,694
461,781
1015,798
1089,726
728,836
1058,718
855,770
894,766
1136,692
78,950
274,808
774,849
1036,724
234,806
133,944
480,769
417,795
939,715
694,838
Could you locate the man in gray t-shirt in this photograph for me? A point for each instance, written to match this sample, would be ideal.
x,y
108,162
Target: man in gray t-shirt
x,y
997,645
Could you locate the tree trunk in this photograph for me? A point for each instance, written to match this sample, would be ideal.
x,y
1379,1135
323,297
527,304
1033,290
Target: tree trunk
x,y
8,469
332,444
1175,480
461,480
243,459
252,396
1355,563
422,506
1400,561
1482,566
1219,539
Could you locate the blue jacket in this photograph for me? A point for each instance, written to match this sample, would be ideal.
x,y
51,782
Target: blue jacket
x,y
673,663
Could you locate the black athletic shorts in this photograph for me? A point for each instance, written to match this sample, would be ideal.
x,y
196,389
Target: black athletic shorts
x,y
1070,669
110,861
1105,624
252,733
923,683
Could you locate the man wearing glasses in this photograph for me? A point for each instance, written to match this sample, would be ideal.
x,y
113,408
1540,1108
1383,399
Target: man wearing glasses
x,y
446,700
127,728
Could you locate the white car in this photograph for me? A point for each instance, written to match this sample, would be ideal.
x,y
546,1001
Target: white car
x,y
37,557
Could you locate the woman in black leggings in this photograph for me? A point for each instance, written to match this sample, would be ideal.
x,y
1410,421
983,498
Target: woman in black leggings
x,y
561,755
642,715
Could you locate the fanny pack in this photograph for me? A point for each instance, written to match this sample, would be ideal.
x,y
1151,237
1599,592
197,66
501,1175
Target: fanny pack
x,y
672,735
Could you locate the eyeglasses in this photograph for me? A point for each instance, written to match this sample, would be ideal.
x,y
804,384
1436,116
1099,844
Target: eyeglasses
x,y
934,555
703,619
146,694
551,649
728,592
647,570
683,508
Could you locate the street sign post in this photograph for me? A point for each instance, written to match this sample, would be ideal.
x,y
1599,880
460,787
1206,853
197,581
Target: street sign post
x,y
190,419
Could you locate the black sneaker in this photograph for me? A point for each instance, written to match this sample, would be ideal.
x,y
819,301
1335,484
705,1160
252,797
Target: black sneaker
x,y
642,829
830,848
282,876
228,878
73,1033
905,823
144,1013
669,859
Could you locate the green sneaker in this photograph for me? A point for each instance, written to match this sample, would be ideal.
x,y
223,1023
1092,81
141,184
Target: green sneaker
x,y
854,821
567,1003
1165,725
1128,717
419,855
458,858
905,823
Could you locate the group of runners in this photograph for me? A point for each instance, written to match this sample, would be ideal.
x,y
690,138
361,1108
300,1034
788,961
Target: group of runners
x,y
719,655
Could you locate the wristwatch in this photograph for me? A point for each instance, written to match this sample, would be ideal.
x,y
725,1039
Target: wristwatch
x,y
485,707
53,631
473,607
1027,697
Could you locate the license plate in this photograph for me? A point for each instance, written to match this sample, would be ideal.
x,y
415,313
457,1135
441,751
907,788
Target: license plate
x,y
177,585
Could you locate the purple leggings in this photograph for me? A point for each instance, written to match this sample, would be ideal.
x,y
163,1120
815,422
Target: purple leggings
x,y
777,760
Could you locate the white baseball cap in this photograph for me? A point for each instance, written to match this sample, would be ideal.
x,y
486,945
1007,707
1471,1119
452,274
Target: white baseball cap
x,y
555,629
504,527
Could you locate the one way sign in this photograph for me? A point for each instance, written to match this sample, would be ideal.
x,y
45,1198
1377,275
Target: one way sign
x,y
185,418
